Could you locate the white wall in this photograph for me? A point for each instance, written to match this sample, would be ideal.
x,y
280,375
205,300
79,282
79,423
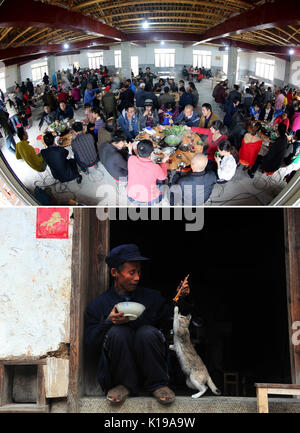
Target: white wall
x,y
11,75
66,62
35,287
25,70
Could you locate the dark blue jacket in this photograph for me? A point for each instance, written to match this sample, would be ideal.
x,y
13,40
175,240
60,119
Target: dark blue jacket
x,y
185,99
189,196
61,168
62,115
113,160
193,121
96,326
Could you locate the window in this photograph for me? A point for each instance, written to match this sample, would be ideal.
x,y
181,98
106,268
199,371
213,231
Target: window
x,y
164,57
118,59
2,80
38,70
265,68
201,59
95,60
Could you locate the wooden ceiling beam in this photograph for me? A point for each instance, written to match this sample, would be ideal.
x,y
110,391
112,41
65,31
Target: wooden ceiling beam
x,y
269,15
262,35
289,35
32,36
18,36
234,7
49,35
5,33
14,14
180,2
163,18
166,11
285,41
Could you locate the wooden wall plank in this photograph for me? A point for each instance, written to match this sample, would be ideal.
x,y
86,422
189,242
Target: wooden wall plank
x,y
292,250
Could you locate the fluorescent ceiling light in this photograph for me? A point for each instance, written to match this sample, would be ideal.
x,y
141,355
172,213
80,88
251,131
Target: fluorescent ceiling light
x,y
66,46
291,51
162,43
145,25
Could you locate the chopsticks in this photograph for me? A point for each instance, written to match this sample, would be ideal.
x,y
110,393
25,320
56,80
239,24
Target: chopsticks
x,y
180,288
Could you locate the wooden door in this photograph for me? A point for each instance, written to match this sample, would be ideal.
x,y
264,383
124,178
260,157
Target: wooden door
x,y
89,279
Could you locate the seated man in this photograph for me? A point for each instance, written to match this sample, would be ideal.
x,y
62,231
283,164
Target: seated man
x,y
188,117
62,169
83,146
208,117
196,186
26,152
64,111
143,174
185,99
128,122
132,353
148,117
165,97
48,116
112,156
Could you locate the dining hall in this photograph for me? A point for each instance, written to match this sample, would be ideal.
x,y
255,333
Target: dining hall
x,y
149,105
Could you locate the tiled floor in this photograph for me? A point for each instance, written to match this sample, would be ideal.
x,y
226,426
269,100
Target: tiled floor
x,y
99,188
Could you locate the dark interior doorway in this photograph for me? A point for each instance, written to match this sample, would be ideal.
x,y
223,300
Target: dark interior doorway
x,y
238,284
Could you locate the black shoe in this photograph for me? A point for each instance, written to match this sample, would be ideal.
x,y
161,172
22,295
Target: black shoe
x,y
250,174
79,179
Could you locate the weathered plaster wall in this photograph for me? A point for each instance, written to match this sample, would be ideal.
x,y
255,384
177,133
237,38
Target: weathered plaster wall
x,y
35,287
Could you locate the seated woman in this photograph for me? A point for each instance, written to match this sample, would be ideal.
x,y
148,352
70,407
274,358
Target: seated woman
x,y
149,117
273,159
168,113
267,112
282,118
226,159
251,145
219,132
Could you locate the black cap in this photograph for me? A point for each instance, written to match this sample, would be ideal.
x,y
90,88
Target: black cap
x,y
124,253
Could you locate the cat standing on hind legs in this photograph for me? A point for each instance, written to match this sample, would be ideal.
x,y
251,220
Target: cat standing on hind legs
x,y
197,376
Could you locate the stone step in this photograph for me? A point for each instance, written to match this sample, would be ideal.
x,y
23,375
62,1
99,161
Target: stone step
x,y
183,405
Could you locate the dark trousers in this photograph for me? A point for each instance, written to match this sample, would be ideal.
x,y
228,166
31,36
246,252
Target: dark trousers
x,y
257,163
137,358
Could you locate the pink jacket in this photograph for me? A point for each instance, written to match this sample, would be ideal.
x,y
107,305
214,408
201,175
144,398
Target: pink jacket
x,y
142,176
296,121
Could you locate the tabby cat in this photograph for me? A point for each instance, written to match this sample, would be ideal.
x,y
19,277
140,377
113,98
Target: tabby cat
x,y
197,376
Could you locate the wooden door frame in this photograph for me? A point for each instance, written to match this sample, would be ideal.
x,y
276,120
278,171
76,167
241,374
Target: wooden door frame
x,y
89,248
91,244
292,261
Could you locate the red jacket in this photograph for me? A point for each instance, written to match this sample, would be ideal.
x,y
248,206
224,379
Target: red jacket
x,y
248,152
285,121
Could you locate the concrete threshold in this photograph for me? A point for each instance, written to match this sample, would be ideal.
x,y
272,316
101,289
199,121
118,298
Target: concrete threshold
x,y
184,405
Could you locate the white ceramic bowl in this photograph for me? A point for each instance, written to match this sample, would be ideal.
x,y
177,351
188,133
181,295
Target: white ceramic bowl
x,y
132,310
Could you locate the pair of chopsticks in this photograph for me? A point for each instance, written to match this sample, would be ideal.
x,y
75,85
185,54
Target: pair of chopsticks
x,y
180,289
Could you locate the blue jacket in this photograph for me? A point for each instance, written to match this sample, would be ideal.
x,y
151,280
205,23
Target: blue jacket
x,y
133,88
193,121
124,125
62,115
185,99
89,96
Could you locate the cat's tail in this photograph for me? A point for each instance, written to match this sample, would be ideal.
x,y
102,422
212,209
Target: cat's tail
x,y
213,387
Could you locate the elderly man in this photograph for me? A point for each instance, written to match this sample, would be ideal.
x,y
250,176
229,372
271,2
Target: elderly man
x,y
188,117
196,186
132,353
208,117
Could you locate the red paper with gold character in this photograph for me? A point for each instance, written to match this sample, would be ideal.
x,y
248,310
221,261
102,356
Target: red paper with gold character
x,y
52,223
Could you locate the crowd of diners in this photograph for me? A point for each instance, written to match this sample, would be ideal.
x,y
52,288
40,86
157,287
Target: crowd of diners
x,y
116,110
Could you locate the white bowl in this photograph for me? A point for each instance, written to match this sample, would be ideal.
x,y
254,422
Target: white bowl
x,y
132,310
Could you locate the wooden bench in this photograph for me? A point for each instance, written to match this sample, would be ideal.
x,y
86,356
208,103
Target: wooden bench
x,y
263,389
